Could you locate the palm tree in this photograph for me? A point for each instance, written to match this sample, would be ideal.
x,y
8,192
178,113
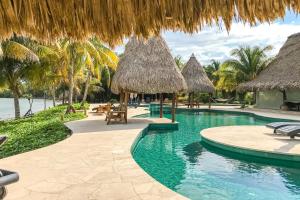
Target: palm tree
x,y
248,62
103,58
179,62
211,70
15,63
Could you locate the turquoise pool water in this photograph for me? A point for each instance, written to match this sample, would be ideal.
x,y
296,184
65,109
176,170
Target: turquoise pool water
x,y
181,162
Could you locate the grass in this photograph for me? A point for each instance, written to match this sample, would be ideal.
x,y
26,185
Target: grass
x,y
44,128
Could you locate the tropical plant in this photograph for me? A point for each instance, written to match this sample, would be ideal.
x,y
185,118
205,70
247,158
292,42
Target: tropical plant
x,y
211,70
247,63
98,58
179,62
15,63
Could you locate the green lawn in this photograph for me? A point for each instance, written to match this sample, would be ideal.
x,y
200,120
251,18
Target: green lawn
x,y
41,130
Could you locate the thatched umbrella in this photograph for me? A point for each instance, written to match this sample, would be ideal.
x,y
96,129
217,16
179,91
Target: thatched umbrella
x,y
148,67
196,78
282,73
112,20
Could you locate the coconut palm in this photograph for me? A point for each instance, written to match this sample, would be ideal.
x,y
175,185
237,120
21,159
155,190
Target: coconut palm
x,y
211,70
15,62
248,62
179,62
103,58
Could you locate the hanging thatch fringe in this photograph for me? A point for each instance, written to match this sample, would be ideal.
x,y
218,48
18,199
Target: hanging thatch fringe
x,y
195,77
283,72
147,67
113,20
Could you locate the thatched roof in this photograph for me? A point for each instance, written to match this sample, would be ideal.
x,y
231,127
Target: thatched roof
x,y
112,20
283,72
195,77
147,67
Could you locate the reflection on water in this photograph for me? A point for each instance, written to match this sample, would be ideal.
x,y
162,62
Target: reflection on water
x,y
179,160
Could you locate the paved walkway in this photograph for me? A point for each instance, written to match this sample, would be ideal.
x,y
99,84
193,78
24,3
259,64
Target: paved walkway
x,y
257,138
94,163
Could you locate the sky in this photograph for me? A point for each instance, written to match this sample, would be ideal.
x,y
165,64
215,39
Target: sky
x,y
215,43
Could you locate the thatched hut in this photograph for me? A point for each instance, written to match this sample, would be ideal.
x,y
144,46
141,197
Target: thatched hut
x,y
147,67
112,21
196,79
280,81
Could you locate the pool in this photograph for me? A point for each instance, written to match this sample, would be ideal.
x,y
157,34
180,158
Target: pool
x,y
181,162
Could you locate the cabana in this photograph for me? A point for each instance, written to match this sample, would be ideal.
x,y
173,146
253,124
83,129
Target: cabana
x,y
278,86
196,79
148,67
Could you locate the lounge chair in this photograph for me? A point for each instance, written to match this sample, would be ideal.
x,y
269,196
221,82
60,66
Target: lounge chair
x,y
291,131
277,125
6,177
118,113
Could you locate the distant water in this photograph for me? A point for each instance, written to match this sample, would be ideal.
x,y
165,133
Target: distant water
x,y
7,109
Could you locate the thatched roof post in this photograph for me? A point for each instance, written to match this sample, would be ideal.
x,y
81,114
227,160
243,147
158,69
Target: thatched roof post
x,y
196,79
147,67
160,105
282,73
173,107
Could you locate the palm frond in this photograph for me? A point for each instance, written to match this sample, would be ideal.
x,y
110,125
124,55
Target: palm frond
x,y
18,52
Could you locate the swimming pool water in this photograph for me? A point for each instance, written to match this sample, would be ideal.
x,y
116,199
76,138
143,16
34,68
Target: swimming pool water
x,y
181,162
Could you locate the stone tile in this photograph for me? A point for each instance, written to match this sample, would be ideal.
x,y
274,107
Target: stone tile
x,y
94,163
48,187
115,191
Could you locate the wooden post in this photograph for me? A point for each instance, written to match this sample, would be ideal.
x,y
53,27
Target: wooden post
x,y
173,107
189,103
192,105
143,98
121,97
176,100
161,105
126,105
209,101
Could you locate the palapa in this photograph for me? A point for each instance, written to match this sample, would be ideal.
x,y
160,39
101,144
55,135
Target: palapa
x,y
114,20
196,78
147,67
282,73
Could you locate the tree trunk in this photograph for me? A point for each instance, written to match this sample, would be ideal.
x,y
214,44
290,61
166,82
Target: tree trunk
x,y
64,96
45,106
87,85
71,90
53,96
17,105
254,97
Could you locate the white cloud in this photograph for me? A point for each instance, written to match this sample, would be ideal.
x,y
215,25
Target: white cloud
x,y
213,43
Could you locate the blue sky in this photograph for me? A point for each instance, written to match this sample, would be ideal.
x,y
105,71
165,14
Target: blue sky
x,y
214,43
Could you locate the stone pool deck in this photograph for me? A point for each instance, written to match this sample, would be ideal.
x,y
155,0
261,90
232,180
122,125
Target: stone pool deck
x,y
253,140
94,163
